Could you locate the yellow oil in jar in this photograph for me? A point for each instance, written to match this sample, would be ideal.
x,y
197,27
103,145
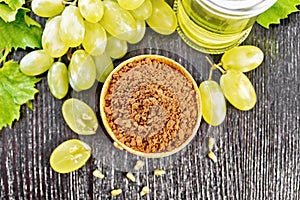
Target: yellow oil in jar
x,y
208,31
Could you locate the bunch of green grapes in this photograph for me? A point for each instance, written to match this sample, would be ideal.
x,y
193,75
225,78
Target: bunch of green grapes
x,y
91,33
234,85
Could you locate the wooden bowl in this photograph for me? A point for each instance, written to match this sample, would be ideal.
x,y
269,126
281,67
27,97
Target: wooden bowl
x,y
171,63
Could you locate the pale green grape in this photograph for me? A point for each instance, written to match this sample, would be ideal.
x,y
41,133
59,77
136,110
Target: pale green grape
x,y
242,58
94,41
70,156
117,21
213,102
47,8
79,117
82,71
91,10
104,66
116,48
238,89
71,26
130,4
35,63
143,12
163,19
58,80
51,41
140,32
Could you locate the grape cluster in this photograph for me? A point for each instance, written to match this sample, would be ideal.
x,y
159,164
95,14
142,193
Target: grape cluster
x,y
234,84
91,33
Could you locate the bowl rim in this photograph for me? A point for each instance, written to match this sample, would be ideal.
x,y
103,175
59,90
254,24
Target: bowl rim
x,y
170,62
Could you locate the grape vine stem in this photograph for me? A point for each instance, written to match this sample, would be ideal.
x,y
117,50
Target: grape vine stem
x,y
6,52
69,3
213,67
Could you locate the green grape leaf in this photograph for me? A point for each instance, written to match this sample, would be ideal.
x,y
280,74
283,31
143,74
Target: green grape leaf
x,y
16,89
14,4
280,10
20,33
7,13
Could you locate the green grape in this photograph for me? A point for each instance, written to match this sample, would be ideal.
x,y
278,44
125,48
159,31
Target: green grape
x,y
47,8
71,26
130,4
94,41
117,21
79,117
140,32
238,89
242,58
82,71
116,48
70,156
143,12
58,80
104,66
35,63
51,42
163,19
213,102
91,10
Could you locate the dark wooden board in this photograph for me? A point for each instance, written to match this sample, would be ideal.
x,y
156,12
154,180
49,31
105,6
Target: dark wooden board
x,y
258,151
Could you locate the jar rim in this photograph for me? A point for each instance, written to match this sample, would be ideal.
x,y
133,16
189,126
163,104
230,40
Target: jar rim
x,y
243,8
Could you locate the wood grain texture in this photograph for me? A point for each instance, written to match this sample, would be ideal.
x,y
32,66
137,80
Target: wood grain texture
x,y
258,151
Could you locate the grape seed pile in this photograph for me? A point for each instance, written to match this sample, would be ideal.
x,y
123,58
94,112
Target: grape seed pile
x,y
91,33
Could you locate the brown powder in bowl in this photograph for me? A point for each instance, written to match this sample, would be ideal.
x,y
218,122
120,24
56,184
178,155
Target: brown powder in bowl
x,y
151,106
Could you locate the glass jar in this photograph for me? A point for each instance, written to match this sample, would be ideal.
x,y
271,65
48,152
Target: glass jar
x,y
214,26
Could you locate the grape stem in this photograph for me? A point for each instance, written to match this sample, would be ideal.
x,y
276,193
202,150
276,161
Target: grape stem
x,y
213,67
6,52
69,54
66,2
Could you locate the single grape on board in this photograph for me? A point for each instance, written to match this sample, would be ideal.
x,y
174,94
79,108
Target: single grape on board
x,y
213,102
70,156
130,4
51,41
35,63
242,58
117,21
143,12
91,10
115,47
57,78
71,29
82,71
79,117
94,41
163,19
140,32
104,66
238,89
47,8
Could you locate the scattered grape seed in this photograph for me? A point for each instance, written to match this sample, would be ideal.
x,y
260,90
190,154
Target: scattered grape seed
x,y
212,156
116,192
130,176
211,143
145,190
97,173
139,164
159,172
